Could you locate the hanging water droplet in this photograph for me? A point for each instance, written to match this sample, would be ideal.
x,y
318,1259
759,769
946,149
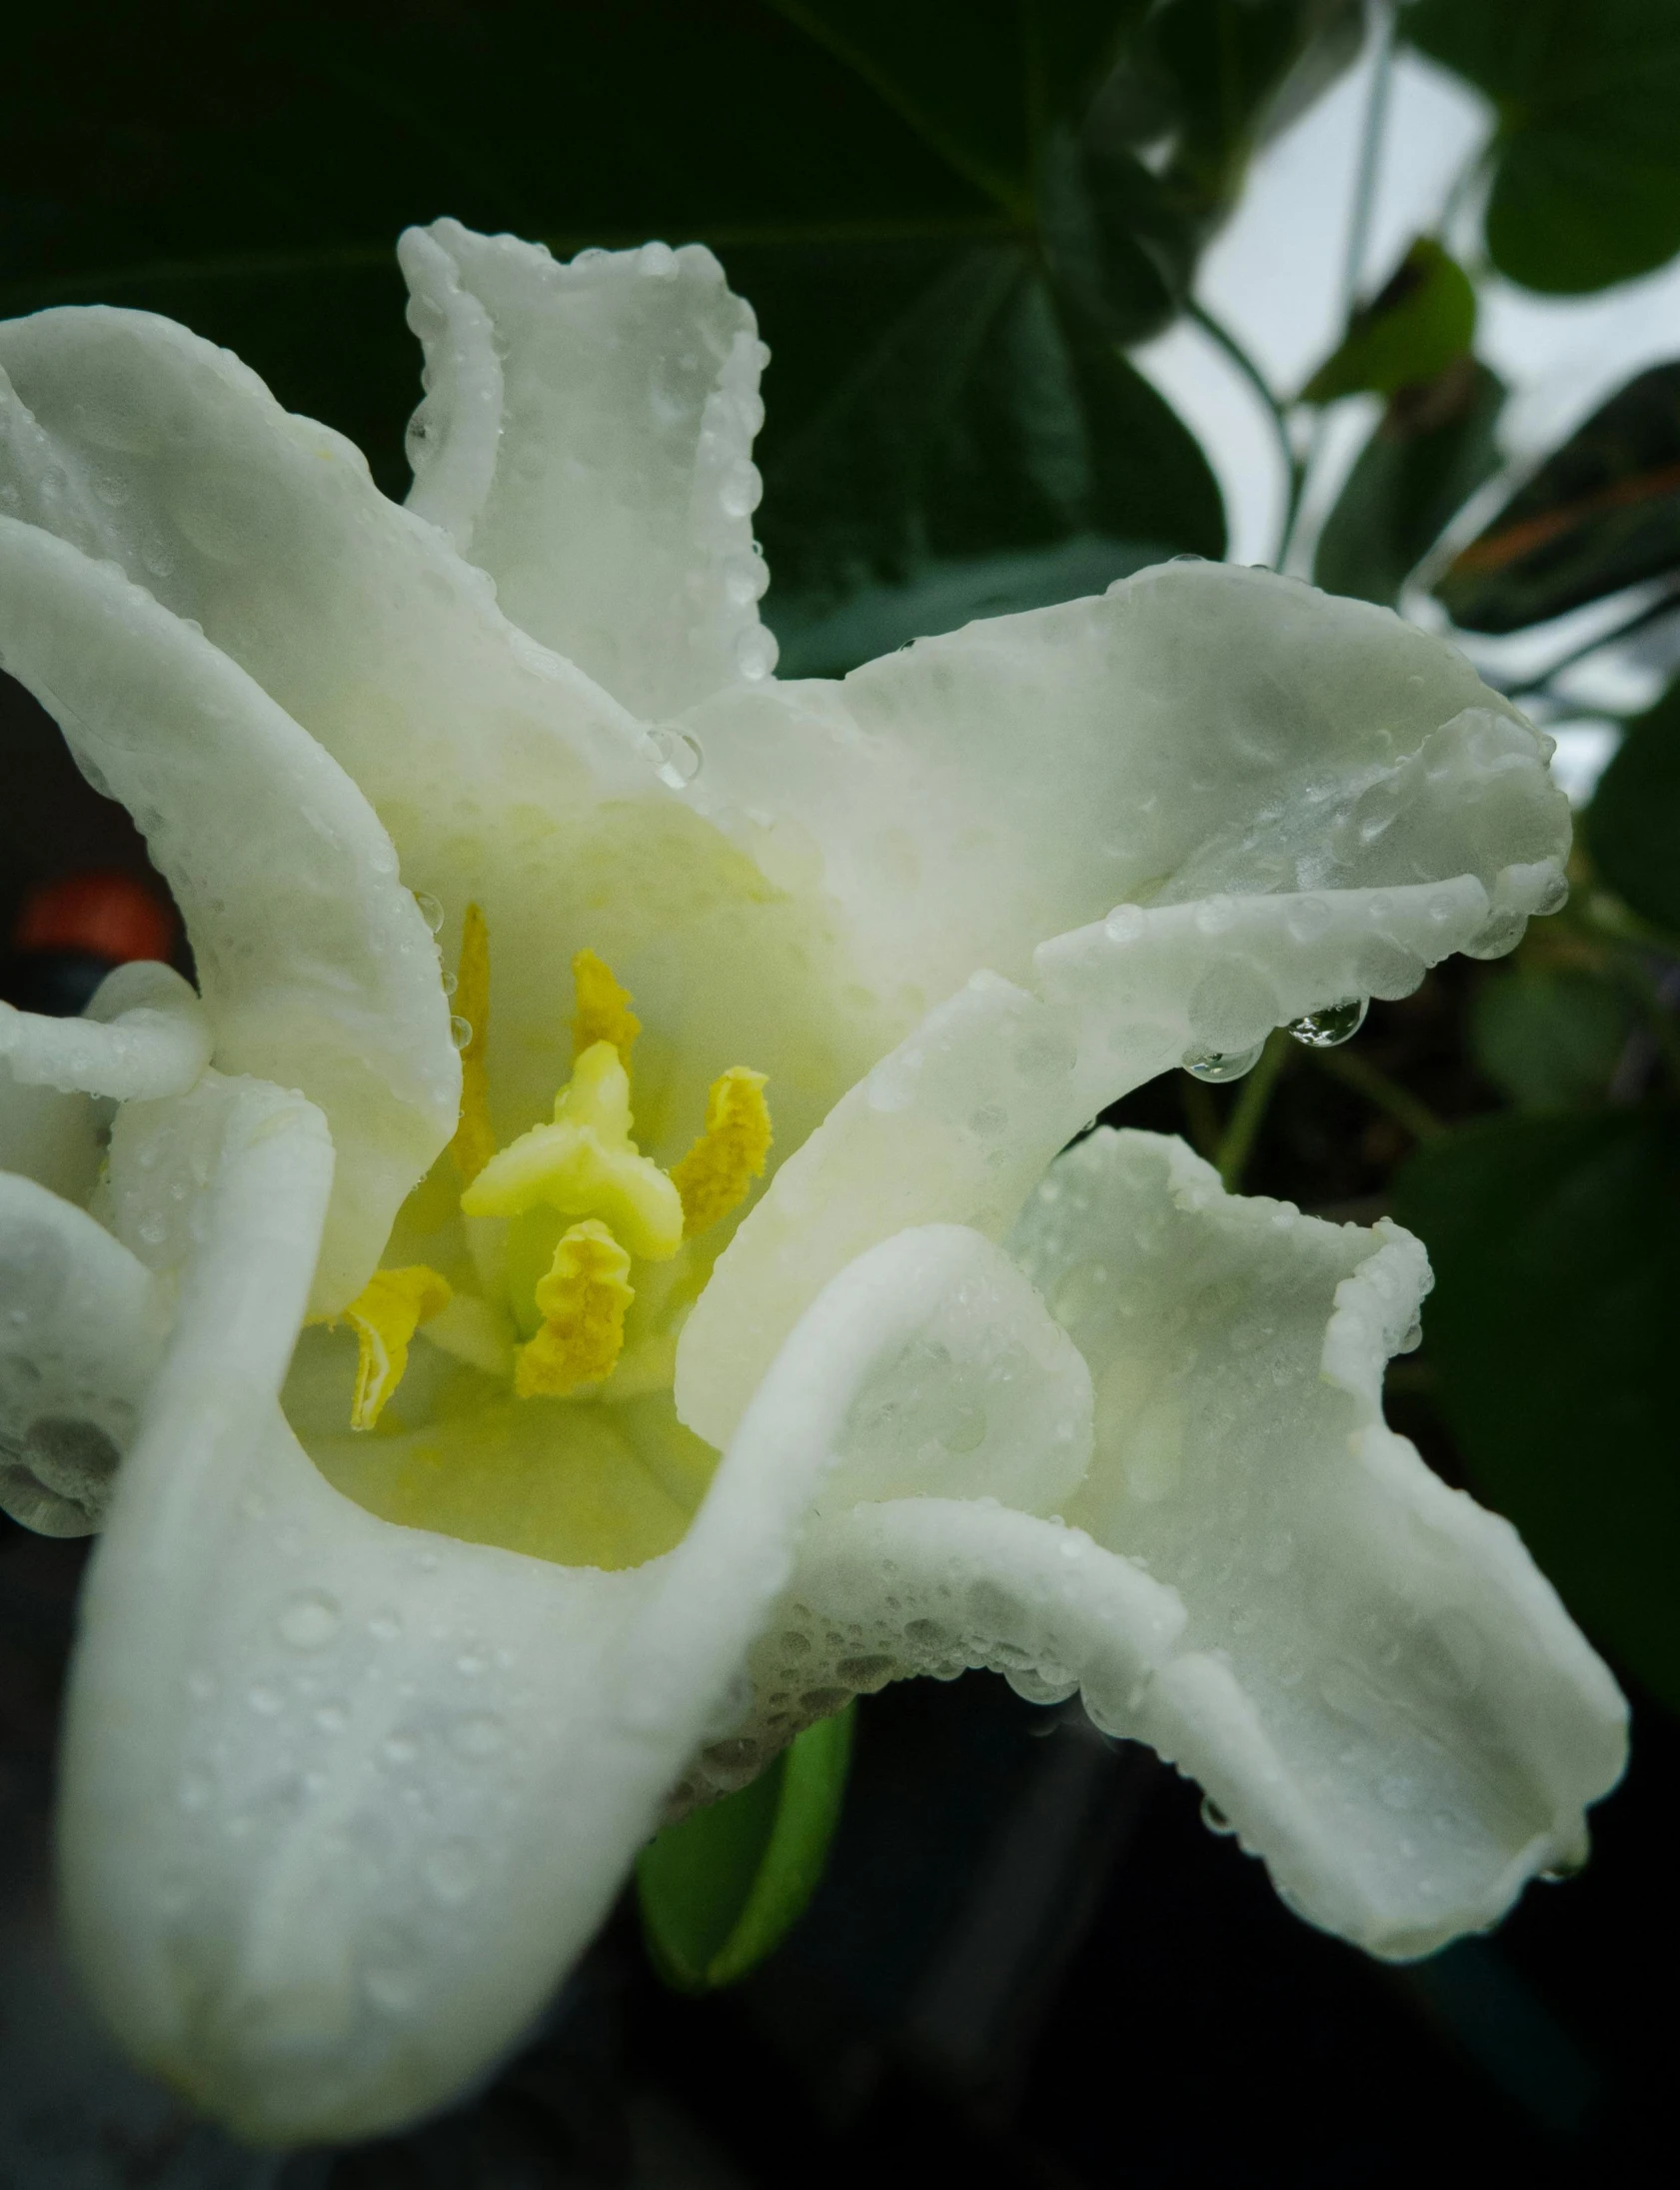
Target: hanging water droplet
x,y
451,982
430,911
1412,1339
754,653
1565,1869
1213,1817
678,759
1554,896
1328,1029
1216,1065
460,1031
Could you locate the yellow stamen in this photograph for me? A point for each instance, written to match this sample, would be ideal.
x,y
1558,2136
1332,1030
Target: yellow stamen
x,y
582,1301
384,1316
586,1165
604,1013
716,1174
473,1144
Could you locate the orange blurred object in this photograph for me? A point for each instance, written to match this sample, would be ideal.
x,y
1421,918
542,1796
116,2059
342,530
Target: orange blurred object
x,y
107,916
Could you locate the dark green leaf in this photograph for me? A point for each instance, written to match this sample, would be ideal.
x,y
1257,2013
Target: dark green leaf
x,y
1633,824
1428,455
1602,513
1549,1036
1420,325
721,1889
991,445
1557,1248
1213,77
1586,159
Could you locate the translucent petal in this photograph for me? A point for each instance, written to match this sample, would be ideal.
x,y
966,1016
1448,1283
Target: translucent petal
x,y
1198,729
503,773
1362,1667
315,965
144,1033
82,1325
343,1798
586,438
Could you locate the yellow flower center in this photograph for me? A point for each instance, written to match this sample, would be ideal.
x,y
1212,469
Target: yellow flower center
x,y
576,1201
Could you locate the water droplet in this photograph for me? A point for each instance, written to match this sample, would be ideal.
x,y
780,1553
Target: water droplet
x,y
267,1702
1554,896
385,1626
1307,919
1125,923
678,759
966,1431
1328,1029
755,653
430,911
1412,1339
1563,1869
1218,1066
330,1718
308,1621
449,984
472,1663
398,1749
1213,1817
460,1031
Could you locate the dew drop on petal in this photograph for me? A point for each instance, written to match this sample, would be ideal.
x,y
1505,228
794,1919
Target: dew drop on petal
x,y
1328,1029
460,1031
430,911
1213,1817
678,757
1217,1066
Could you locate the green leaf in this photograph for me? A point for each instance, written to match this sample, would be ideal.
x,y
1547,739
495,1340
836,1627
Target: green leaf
x,y
1428,455
1421,322
1549,1036
721,1889
1587,156
1556,1250
1633,823
1601,512
993,438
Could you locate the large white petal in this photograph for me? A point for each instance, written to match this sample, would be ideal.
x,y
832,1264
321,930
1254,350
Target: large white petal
x,y
343,1799
316,966
1199,728
82,1325
587,439
1257,1577
502,772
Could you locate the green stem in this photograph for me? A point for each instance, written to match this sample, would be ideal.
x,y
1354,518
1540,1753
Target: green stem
x,y
1222,336
1383,1093
1371,161
1353,258
1236,1144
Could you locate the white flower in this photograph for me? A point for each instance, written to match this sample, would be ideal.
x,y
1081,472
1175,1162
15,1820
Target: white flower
x,y
365,1730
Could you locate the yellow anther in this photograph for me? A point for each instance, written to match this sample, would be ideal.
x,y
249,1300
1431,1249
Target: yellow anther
x,y
473,1144
586,1165
582,1301
604,1013
716,1174
384,1316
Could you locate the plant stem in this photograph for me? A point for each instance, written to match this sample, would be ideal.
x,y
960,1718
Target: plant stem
x,y
1353,258
1236,1144
1276,411
1384,1093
